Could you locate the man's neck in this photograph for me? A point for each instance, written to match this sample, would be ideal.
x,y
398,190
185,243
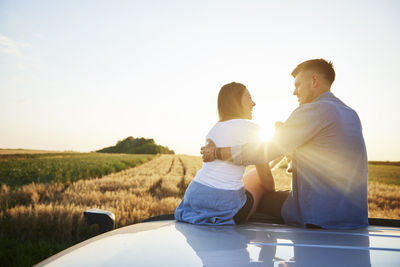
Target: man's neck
x,y
320,92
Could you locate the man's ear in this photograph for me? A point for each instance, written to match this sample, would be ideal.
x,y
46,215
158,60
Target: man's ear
x,y
314,80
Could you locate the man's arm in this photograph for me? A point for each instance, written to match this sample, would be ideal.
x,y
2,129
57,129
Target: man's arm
x,y
302,125
247,154
210,152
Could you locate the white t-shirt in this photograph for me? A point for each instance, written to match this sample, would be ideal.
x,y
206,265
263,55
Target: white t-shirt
x,y
221,174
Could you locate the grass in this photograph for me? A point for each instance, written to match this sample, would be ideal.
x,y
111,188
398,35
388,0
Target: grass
x,y
26,151
21,169
387,174
52,213
33,251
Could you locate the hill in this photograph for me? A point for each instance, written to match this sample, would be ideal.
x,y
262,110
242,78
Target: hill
x,y
141,145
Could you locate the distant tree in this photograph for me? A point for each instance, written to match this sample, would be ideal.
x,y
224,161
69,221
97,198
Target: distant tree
x,y
141,145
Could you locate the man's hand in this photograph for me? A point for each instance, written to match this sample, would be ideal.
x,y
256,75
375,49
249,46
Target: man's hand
x,y
289,161
208,151
278,125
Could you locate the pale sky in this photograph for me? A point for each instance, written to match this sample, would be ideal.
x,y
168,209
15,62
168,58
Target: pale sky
x,y
81,75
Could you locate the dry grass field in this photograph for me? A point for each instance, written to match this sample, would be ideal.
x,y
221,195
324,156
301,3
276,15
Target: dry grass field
x,y
153,188
54,211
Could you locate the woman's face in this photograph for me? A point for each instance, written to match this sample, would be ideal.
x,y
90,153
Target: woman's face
x,y
247,105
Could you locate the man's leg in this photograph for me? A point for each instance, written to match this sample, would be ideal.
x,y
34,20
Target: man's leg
x,y
271,203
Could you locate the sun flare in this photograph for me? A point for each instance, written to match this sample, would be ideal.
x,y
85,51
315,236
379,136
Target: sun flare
x,y
266,132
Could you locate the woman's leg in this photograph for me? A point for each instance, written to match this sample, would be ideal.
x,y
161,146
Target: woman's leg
x,y
253,184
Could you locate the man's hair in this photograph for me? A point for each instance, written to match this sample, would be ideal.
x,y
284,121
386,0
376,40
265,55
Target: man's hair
x,y
321,66
229,101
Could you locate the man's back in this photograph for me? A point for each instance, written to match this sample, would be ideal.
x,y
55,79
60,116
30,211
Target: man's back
x,y
330,165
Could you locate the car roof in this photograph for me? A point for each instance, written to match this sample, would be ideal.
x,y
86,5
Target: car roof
x,y
172,243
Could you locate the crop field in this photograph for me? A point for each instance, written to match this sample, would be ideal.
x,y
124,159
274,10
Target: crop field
x,y
39,219
20,169
26,151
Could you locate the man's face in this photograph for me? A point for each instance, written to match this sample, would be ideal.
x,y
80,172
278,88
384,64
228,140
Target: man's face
x,y
303,88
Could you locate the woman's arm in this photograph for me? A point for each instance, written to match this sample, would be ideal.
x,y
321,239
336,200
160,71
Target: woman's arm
x,y
265,176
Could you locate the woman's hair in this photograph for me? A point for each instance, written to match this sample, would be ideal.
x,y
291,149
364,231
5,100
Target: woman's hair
x,y
229,101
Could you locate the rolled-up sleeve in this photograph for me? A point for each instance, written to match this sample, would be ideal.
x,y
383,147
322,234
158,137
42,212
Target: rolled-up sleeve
x,y
249,154
301,126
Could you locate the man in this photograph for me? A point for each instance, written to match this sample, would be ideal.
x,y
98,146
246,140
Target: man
x,y
329,159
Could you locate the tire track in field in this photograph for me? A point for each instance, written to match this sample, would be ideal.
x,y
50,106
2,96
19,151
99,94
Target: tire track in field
x,y
172,164
182,183
155,188
172,184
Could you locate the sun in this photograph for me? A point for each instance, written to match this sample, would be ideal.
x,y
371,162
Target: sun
x,y
266,132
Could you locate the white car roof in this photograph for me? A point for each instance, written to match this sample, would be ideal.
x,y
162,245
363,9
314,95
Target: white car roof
x,y
171,243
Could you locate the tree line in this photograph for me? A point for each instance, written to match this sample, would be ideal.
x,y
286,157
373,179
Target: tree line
x,y
141,145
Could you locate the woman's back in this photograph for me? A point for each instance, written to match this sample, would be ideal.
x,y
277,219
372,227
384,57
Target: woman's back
x,y
222,174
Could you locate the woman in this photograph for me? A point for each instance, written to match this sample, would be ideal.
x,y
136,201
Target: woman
x,y
217,194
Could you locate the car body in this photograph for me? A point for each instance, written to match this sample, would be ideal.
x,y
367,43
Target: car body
x,y
172,243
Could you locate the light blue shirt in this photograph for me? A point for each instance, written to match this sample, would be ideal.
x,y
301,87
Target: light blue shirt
x,y
329,162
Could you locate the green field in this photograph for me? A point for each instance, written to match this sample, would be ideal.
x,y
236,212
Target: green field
x,y
384,173
20,169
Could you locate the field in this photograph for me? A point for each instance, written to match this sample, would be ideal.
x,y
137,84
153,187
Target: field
x,y
26,151
20,169
44,218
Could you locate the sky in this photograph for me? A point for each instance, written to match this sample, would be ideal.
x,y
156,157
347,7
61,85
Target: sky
x,y
81,75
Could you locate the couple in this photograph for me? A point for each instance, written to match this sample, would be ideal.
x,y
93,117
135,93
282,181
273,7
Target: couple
x,y
329,161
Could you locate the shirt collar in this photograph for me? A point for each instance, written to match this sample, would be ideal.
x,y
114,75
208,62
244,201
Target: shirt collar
x,y
324,96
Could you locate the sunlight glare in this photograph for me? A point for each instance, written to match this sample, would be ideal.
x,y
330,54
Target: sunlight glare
x,y
266,133
267,113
